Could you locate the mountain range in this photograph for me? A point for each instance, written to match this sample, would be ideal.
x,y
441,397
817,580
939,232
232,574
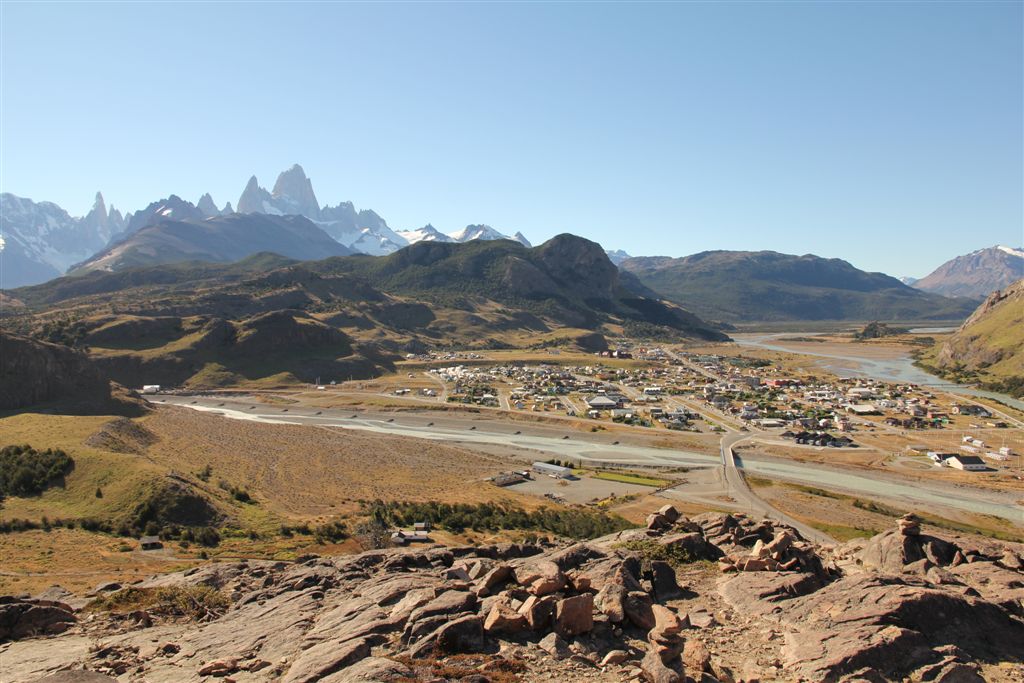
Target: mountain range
x,y
976,275
226,238
40,240
745,286
205,324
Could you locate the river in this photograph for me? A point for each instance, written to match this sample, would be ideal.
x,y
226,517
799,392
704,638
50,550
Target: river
x,y
898,369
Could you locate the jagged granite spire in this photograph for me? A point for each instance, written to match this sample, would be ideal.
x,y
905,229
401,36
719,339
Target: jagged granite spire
x,y
295,189
206,205
253,198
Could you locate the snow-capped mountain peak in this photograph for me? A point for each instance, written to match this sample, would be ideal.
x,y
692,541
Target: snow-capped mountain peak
x,y
477,232
521,238
41,240
977,274
428,233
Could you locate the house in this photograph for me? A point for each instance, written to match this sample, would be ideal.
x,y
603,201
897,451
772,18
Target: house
x,y
507,479
150,543
406,537
969,409
940,458
863,409
556,471
600,402
150,388
422,527
967,463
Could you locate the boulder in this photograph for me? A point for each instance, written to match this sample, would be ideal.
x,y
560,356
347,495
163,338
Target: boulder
x,y
542,578
611,601
503,619
325,658
690,545
538,611
696,658
654,670
555,646
657,522
24,618
574,615
447,603
637,608
220,668
614,657
465,634
669,512
497,576
371,670
663,582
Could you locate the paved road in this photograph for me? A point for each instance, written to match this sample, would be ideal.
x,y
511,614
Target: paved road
x,y
548,441
741,493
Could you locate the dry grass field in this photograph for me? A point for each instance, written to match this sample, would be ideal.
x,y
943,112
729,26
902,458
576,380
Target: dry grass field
x,y
303,472
844,517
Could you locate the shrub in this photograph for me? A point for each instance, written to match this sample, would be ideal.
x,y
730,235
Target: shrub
x,y
570,522
24,471
651,550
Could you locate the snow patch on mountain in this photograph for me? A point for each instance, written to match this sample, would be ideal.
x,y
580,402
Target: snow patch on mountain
x,y
428,233
1019,253
41,240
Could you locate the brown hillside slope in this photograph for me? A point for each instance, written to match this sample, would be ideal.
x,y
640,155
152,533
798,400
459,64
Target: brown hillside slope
x,y
989,346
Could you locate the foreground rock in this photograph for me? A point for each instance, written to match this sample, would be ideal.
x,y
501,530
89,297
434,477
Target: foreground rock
x,y
901,605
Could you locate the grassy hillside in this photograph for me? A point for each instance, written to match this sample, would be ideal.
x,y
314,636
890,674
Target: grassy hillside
x,y
567,279
212,486
768,286
271,321
989,347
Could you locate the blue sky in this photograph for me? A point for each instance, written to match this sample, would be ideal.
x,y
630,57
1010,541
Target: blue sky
x,y
888,134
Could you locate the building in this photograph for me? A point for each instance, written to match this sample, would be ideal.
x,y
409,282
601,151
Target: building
x,y
863,409
556,471
407,537
967,463
150,543
150,388
600,402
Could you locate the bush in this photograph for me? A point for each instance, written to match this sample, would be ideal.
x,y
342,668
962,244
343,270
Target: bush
x,y
24,471
332,532
578,523
207,536
204,474
651,550
195,602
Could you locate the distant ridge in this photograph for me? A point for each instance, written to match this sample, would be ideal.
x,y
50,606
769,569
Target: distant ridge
x,y
976,275
220,239
751,286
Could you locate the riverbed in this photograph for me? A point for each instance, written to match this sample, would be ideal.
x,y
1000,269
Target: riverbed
x,y
885,363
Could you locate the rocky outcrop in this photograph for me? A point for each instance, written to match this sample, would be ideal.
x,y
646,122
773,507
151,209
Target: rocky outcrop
x,y
25,618
598,610
34,372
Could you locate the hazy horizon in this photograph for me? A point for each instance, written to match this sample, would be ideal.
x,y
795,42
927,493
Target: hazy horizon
x,y
888,135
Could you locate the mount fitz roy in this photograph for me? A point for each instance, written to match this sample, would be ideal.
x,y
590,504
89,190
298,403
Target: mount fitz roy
x,y
40,240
